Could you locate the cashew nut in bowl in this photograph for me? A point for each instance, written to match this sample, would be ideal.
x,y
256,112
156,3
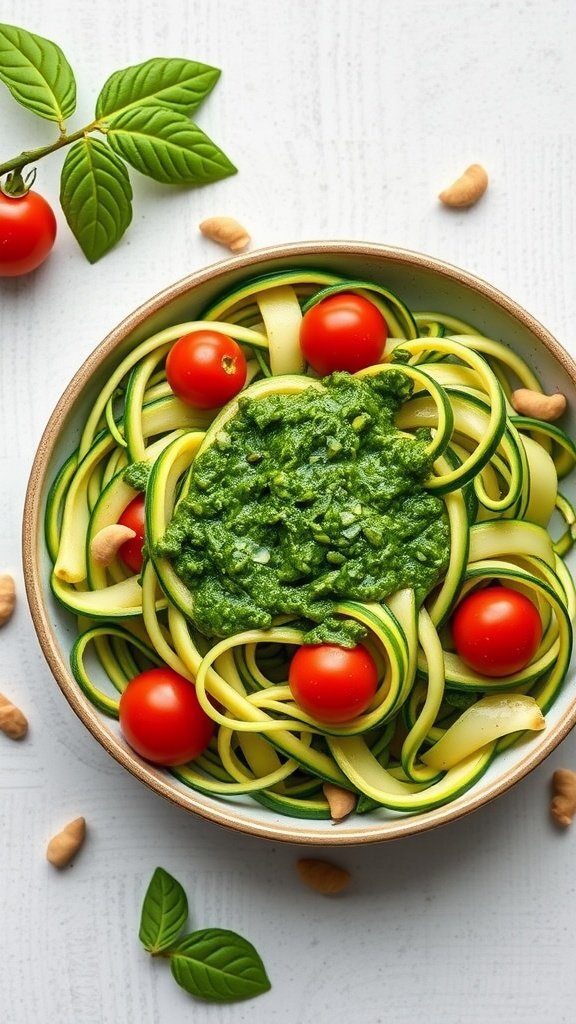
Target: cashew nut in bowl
x,y
538,405
108,541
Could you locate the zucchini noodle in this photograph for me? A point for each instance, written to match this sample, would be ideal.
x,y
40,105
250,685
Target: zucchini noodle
x,y
434,724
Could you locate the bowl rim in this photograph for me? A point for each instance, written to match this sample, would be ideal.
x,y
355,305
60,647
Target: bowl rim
x,y
235,817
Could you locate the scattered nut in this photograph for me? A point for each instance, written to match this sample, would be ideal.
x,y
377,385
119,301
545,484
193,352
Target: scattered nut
x,y
62,847
13,722
563,804
340,801
226,231
107,542
7,598
538,405
467,189
322,875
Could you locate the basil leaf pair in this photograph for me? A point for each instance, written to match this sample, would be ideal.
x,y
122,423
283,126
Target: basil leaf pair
x,y
95,190
213,964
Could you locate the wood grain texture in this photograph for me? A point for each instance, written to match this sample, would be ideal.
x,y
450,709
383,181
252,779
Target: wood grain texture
x,y
345,120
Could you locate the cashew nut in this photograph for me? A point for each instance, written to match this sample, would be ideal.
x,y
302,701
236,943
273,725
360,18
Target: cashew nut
x,y
107,542
537,405
7,598
467,189
13,722
226,231
340,801
563,805
63,846
322,875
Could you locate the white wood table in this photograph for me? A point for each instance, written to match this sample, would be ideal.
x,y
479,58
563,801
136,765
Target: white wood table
x,y
345,120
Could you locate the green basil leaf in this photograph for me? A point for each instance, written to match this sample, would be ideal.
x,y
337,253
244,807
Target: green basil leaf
x,y
37,73
219,966
164,81
164,912
167,146
96,196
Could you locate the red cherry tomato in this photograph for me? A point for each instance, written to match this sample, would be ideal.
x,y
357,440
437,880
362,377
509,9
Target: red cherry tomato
x,y
161,718
332,683
206,369
27,233
343,332
131,550
496,631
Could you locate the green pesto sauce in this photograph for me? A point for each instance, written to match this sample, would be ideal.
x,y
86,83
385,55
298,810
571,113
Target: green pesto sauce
x,y
136,475
303,500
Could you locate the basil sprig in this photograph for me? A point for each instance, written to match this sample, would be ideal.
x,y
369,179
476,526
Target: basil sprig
x,y
142,113
213,964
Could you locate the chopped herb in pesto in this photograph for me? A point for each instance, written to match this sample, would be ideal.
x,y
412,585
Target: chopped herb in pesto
x,y
136,475
306,499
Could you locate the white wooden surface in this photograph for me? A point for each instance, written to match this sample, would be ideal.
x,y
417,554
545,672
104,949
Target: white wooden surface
x,y
345,120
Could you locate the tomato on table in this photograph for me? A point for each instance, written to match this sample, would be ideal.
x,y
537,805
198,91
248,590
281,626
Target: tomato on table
x,y
162,719
344,331
27,232
496,631
332,683
133,517
206,369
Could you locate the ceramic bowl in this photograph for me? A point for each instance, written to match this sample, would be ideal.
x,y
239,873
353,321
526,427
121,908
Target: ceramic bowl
x,y
423,283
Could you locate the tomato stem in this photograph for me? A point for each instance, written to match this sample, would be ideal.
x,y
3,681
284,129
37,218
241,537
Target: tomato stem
x,y
29,156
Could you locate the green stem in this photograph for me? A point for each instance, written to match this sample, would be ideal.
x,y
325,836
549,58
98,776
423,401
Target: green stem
x,y
30,156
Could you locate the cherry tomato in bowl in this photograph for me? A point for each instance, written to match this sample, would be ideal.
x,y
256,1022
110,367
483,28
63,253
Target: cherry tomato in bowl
x,y
27,232
133,516
344,331
206,369
496,631
162,719
333,684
